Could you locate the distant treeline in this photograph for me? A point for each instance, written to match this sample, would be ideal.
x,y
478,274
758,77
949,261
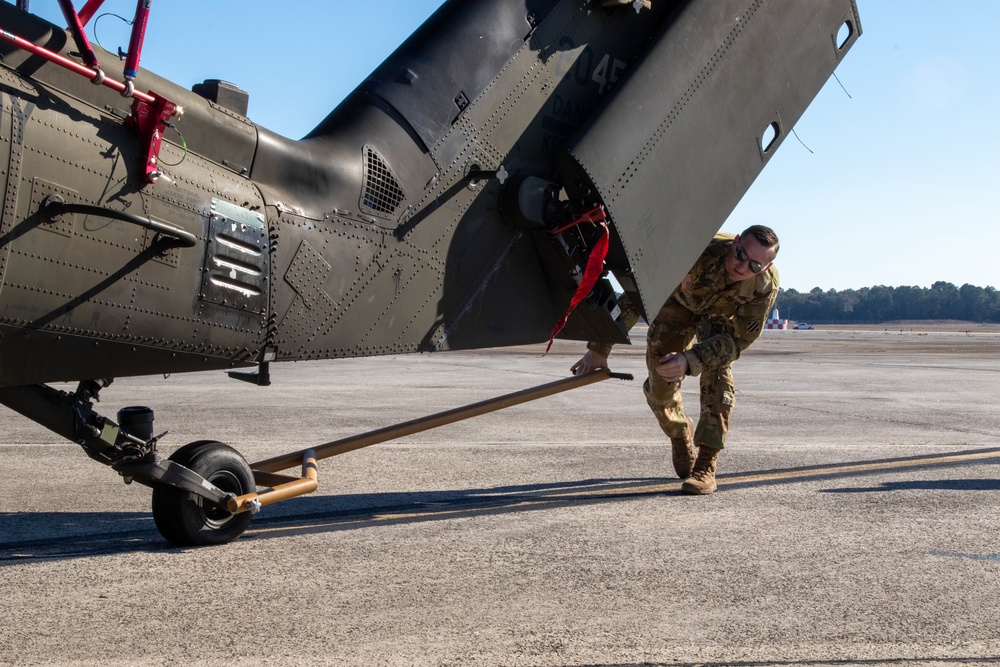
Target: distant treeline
x,y
873,305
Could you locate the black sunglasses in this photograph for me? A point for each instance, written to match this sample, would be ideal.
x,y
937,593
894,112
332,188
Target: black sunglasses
x,y
741,256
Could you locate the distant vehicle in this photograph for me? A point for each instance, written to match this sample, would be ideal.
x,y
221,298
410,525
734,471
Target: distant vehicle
x,y
803,325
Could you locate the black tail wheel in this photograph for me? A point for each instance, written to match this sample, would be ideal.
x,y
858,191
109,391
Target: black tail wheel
x,y
187,519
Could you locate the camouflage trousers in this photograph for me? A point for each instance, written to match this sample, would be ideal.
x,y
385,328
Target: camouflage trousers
x,y
673,330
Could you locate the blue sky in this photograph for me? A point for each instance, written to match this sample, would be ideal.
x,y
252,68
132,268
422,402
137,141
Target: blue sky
x,y
900,187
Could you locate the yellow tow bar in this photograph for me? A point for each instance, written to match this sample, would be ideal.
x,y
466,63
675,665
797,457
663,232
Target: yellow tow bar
x,y
284,487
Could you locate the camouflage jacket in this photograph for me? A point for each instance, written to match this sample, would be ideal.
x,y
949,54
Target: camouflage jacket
x,y
730,316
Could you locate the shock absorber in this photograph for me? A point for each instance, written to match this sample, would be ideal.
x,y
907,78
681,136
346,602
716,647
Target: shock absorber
x,y
135,45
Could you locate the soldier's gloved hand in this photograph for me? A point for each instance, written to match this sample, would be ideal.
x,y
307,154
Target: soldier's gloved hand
x,y
673,367
590,362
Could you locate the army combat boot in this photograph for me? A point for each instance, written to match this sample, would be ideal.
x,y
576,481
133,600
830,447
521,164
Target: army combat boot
x,y
702,479
683,450
683,453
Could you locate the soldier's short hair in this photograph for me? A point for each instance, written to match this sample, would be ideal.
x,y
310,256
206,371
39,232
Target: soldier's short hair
x,y
764,235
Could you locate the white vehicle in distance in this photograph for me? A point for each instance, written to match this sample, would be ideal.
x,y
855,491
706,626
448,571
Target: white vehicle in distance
x,y
803,325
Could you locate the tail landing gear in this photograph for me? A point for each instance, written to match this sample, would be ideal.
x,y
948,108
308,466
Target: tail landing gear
x,y
206,492
188,519
192,490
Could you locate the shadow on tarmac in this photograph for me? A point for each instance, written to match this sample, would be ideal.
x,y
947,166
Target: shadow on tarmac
x,y
928,485
73,535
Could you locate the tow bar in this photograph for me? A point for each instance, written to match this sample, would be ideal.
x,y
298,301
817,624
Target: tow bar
x,y
266,473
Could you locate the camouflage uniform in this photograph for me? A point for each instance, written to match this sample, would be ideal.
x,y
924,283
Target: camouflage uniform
x,y
725,320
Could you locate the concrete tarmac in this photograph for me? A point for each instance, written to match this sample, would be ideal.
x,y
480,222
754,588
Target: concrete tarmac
x,y
856,521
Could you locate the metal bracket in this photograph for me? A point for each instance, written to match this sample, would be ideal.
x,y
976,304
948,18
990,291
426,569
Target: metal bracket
x,y
171,473
149,119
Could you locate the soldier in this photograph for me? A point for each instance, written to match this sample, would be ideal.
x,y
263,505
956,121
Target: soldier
x,y
723,302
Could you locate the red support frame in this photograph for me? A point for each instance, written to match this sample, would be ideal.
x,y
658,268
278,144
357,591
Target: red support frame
x,y
76,28
89,10
150,112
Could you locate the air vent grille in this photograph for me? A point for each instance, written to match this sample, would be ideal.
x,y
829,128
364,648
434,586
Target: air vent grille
x,y
382,193
236,260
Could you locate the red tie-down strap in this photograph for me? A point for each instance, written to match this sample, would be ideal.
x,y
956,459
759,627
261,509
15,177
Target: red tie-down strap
x,y
594,215
595,267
